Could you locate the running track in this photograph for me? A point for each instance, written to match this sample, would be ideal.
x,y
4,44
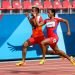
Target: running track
x,y
51,67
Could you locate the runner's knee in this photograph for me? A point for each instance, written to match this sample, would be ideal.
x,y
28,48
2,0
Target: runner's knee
x,y
25,45
42,43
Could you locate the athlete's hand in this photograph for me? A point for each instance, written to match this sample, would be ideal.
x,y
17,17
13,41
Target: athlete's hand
x,y
33,14
68,33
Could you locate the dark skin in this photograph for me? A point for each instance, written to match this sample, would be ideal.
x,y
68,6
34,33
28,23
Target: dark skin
x,y
46,42
34,24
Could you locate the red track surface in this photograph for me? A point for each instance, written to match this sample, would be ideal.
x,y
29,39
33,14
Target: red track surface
x,y
51,67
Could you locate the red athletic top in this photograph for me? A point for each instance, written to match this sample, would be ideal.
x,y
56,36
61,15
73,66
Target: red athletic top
x,y
51,25
37,32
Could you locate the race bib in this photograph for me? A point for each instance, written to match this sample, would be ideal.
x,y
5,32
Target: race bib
x,y
50,24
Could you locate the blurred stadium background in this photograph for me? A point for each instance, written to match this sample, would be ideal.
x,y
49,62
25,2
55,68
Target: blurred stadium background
x,y
20,6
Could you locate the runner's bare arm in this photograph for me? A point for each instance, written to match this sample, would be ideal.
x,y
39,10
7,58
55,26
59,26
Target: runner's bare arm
x,y
67,24
39,24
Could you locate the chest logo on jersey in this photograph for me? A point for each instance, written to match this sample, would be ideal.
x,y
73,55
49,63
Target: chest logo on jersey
x,y
50,24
